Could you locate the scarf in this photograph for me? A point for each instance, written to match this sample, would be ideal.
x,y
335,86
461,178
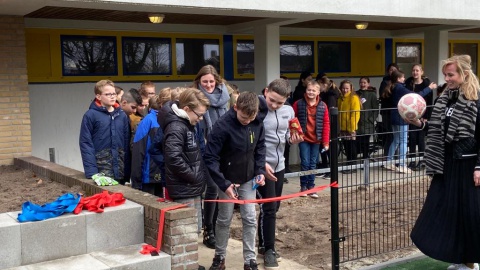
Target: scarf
x,y
180,112
462,125
218,105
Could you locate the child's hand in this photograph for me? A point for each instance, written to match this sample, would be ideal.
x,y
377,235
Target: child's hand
x,y
260,179
270,172
295,138
231,192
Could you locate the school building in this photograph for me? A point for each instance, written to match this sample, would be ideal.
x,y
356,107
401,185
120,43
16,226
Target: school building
x,y
53,51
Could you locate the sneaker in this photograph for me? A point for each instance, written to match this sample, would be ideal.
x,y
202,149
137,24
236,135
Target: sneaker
x,y
390,167
209,238
319,175
277,255
326,176
285,180
302,189
462,267
261,251
403,169
270,260
412,165
349,171
313,195
218,263
252,265
201,267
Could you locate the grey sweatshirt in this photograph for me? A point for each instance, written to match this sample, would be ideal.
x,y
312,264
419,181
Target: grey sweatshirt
x,y
277,134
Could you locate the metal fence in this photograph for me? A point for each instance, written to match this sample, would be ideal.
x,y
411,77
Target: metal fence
x,y
374,208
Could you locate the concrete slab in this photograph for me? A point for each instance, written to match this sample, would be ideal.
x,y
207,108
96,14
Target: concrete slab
x,y
129,257
116,227
234,259
11,251
51,239
80,262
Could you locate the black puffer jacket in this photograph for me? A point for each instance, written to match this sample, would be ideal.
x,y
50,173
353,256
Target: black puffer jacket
x,y
236,153
185,171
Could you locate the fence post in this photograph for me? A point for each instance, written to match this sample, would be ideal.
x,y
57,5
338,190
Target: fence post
x,y
333,190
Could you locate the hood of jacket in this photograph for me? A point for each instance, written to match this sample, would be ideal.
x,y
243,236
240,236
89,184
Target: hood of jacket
x,y
96,105
262,108
167,115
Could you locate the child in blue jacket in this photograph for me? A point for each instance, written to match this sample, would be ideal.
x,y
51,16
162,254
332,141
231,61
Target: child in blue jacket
x,y
105,135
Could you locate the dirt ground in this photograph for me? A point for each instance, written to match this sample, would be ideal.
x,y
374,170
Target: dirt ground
x,y
303,224
303,227
18,186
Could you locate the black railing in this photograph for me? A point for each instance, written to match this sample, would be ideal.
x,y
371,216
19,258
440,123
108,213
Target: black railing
x,y
377,200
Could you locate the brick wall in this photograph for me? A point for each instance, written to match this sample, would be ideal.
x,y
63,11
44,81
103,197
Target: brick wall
x,y
180,239
15,135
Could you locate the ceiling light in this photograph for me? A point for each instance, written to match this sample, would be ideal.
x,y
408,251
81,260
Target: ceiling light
x,y
156,18
361,25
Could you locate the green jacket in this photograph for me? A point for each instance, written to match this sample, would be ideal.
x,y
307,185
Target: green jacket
x,y
369,112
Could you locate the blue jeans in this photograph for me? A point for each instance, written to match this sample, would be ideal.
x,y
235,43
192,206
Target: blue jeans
x,y
308,161
400,134
249,222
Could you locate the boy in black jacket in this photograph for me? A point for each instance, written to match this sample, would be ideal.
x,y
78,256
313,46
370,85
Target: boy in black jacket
x,y
235,157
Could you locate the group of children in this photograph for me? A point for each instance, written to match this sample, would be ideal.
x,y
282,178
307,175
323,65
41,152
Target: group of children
x,y
194,142
210,141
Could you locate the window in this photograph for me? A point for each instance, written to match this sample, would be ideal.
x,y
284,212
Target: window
x,y
145,56
334,57
296,56
88,56
245,57
193,54
467,48
407,55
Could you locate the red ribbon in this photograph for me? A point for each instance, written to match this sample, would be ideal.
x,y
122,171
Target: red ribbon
x,y
147,249
98,202
275,199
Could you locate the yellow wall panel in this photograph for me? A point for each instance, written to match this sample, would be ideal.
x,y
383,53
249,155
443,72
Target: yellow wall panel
x,y
38,55
368,57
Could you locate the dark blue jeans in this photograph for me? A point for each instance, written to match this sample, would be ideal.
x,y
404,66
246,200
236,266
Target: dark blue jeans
x,y
308,161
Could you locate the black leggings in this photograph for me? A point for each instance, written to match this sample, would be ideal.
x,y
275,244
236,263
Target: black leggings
x,y
416,136
268,211
209,208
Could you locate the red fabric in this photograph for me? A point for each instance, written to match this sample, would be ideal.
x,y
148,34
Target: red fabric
x,y
147,249
98,202
162,222
326,127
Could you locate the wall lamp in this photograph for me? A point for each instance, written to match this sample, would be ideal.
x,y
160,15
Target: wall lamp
x,y
156,18
361,25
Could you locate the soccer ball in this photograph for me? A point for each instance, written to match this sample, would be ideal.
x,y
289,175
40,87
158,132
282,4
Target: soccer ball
x,y
411,106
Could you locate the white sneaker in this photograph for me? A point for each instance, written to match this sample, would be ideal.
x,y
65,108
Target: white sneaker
x,y
454,266
462,267
403,169
391,167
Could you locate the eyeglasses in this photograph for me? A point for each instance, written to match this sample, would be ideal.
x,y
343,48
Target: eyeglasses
x,y
110,95
198,115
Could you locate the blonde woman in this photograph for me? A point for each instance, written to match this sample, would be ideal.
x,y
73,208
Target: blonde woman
x,y
447,227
